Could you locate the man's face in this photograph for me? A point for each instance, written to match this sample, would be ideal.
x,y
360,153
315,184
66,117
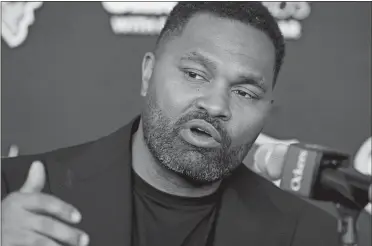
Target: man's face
x,y
207,95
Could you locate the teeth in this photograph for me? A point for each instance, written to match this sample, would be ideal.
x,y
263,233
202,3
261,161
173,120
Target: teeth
x,y
201,130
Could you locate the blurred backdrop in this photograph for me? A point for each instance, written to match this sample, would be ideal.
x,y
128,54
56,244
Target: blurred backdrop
x,y
71,73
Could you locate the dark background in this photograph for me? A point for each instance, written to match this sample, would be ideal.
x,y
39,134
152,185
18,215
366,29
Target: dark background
x,y
74,80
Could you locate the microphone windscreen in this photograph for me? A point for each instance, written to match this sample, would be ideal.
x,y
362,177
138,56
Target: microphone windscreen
x,y
269,160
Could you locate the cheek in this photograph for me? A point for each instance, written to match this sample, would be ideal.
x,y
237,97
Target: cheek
x,y
245,125
172,96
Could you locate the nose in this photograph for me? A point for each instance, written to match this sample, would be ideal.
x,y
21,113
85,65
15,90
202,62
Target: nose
x,y
216,102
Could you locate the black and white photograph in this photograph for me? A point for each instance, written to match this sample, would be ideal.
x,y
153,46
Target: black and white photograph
x,y
217,123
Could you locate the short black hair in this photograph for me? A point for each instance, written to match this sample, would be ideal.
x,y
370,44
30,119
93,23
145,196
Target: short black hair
x,y
252,13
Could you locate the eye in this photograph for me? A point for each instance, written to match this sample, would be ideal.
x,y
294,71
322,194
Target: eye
x,y
193,75
246,95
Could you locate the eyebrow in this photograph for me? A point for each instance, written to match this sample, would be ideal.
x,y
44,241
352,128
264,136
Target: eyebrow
x,y
254,80
250,79
197,57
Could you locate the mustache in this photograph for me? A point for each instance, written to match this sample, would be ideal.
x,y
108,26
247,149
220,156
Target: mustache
x,y
203,115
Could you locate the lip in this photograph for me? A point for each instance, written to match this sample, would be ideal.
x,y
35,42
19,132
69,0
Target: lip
x,y
199,141
203,125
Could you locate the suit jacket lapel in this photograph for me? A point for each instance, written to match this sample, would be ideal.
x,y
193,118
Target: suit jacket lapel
x,y
98,183
248,217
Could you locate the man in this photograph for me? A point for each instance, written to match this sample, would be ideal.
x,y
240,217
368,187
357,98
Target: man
x,y
173,176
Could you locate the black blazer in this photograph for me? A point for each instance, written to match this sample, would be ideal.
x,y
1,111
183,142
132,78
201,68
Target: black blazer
x,y
95,177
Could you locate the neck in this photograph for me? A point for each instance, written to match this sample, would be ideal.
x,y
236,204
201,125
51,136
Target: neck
x,y
145,165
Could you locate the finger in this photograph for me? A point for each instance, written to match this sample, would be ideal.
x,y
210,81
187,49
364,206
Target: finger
x,y
47,204
35,179
57,230
26,237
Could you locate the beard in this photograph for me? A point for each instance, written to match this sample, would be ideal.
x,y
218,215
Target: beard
x,y
199,166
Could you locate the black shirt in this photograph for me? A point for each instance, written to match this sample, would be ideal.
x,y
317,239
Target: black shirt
x,y
161,219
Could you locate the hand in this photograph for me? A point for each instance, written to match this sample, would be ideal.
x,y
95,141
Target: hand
x,y
27,216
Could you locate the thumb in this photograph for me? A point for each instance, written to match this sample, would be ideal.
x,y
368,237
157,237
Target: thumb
x,y
35,179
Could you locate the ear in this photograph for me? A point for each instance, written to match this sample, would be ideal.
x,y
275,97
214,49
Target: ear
x,y
147,69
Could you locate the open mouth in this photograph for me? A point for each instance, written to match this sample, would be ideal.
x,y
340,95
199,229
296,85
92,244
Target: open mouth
x,y
200,132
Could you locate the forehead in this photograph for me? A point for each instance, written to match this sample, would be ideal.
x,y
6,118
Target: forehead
x,y
226,42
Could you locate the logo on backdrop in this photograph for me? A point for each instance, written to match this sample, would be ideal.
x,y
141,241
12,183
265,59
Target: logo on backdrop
x,y
143,18
148,18
16,18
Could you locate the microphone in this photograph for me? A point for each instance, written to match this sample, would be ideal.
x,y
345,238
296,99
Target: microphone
x,y
314,172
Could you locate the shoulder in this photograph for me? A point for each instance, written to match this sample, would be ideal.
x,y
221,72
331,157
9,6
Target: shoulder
x,y
14,170
314,226
24,160
63,155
